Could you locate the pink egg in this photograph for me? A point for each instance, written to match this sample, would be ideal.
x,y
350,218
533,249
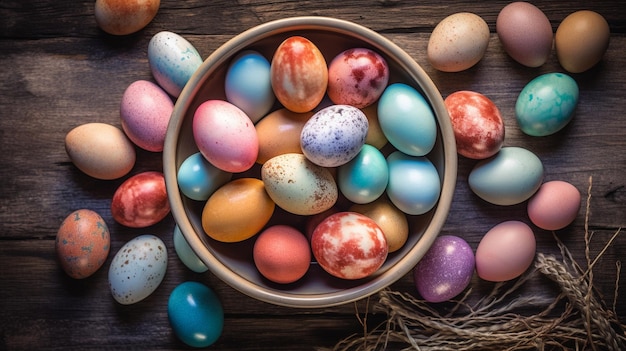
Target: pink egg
x,y
554,206
282,254
505,252
357,77
349,245
145,111
141,200
225,136
477,124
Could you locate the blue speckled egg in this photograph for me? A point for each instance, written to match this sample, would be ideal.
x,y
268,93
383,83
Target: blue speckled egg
x,y
509,177
248,84
195,314
414,184
198,178
407,120
186,254
334,135
173,60
364,178
546,104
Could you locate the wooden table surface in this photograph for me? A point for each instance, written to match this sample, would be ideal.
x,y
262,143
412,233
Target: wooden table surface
x,y
59,70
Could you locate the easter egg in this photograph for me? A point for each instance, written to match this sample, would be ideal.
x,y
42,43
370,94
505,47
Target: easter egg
x,y
364,178
581,40
357,77
375,135
509,177
299,186
282,254
237,211
389,218
248,84
299,74
137,269
195,314
141,200
145,112
505,252
225,136
349,245
477,124
334,135
172,60
198,178
554,206
414,185
458,42
100,150
546,104
407,120
122,17
82,243
445,270
186,254
279,133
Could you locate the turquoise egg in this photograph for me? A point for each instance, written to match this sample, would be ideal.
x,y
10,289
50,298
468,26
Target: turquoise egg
x,y
509,177
195,314
364,178
198,179
186,254
407,120
248,84
546,104
414,184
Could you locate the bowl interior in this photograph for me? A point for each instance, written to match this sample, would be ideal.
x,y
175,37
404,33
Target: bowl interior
x,y
232,262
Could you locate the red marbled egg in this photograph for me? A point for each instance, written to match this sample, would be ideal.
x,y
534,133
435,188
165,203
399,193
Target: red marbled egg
x,y
299,74
477,124
141,200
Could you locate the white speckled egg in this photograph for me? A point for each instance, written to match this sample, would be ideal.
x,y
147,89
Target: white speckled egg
x,y
334,135
137,269
173,60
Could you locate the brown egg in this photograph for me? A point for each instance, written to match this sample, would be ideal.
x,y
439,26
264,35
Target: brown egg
x,y
581,40
375,135
122,17
279,133
390,219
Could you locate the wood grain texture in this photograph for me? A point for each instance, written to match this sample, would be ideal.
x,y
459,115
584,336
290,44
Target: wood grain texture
x,y
58,70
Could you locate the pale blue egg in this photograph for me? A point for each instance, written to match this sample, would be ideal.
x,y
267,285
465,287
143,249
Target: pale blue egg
x,y
546,104
509,177
414,184
186,254
364,178
407,120
173,60
248,84
198,178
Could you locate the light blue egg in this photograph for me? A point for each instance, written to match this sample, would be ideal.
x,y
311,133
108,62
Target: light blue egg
x,y
364,178
248,84
186,254
198,179
173,60
195,314
546,104
414,184
407,120
509,177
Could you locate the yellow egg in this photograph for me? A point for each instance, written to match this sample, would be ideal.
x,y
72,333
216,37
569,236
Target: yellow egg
x,y
581,40
279,133
389,218
237,211
375,135
121,17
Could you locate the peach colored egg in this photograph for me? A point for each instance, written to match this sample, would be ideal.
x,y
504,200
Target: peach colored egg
x,y
145,112
141,200
389,218
299,74
279,133
82,243
554,206
121,17
282,254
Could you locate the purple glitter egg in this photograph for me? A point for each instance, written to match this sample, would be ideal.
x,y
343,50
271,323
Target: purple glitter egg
x,y
445,270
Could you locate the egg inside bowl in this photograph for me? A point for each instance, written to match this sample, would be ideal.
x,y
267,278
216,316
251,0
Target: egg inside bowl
x,y
233,262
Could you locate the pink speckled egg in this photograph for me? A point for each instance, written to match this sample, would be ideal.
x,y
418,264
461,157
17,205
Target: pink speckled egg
x,y
145,111
282,254
141,200
225,136
554,206
357,77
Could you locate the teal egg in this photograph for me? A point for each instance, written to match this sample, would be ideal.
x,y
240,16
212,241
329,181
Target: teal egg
x,y
546,104
186,254
198,179
414,184
364,178
509,177
195,314
407,120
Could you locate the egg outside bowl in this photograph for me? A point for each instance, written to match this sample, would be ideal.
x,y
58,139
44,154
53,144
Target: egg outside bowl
x,y
232,262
